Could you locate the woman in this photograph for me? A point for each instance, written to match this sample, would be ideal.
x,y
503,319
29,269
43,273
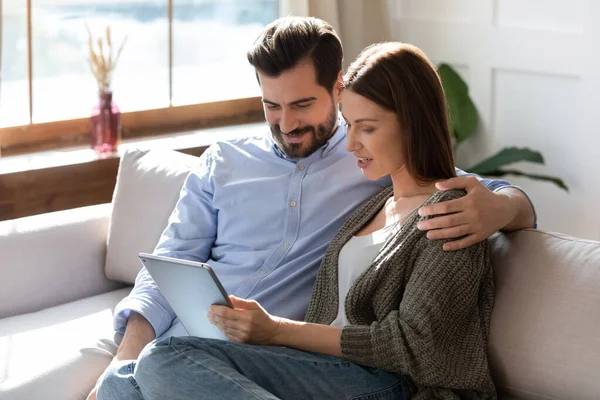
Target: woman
x,y
392,315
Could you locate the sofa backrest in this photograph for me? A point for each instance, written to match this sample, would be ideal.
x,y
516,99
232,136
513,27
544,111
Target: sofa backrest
x,y
545,328
147,190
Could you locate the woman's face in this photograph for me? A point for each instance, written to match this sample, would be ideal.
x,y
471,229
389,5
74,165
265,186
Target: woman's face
x,y
373,136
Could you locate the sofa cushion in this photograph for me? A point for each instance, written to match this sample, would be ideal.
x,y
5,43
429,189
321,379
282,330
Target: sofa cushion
x,y
58,353
53,258
147,189
544,340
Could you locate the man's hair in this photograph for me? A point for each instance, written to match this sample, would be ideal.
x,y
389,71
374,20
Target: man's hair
x,y
287,41
399,77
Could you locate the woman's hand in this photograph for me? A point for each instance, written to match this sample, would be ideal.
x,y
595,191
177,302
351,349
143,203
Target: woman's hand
x,y
247,322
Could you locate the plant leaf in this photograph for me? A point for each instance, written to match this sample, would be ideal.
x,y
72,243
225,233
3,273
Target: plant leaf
x,y
502,172
461,109
507,155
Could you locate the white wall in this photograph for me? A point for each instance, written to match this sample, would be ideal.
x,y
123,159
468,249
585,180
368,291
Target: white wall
x,y
533,68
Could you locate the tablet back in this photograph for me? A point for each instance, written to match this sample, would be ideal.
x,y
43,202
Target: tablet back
x,y
190,288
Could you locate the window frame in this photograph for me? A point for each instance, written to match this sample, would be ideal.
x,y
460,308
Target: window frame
x,y
35,137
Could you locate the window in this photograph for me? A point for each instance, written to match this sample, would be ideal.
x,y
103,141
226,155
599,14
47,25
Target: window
x,y
210,41
178,53
14,97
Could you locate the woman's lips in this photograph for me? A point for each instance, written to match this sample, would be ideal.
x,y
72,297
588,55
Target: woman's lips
x,y
364,162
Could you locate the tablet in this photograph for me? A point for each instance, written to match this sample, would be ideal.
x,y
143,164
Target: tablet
x,y
190,288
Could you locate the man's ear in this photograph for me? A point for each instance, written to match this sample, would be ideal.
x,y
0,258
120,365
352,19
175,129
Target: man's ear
x,y
337,88
257,76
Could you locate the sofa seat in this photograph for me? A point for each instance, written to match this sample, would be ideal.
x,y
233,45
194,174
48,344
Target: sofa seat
x,y
58,352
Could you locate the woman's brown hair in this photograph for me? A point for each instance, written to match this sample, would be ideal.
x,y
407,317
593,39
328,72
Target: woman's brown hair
x,y
400,78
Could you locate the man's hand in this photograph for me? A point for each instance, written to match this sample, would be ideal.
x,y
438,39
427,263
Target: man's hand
x,y
475,216
247,322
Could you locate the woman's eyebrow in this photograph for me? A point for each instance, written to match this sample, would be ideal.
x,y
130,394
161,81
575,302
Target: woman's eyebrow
x,y
360,119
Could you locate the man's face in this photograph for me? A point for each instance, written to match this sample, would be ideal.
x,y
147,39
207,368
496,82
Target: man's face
x,y
301,114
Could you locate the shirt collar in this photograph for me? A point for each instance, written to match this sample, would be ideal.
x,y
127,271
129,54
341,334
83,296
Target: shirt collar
x,y
338,135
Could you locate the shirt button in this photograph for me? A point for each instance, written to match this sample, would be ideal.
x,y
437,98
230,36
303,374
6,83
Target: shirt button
x,y
300,167
293,203
286,244
262,272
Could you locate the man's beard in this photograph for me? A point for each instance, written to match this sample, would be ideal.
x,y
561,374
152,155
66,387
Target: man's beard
x,y
319,135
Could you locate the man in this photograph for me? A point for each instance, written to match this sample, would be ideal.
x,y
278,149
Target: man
x,y
262,210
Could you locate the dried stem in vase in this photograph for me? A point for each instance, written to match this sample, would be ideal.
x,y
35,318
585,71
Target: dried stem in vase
x,y
102,60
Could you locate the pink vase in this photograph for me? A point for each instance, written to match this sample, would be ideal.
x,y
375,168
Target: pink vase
x,y
105,125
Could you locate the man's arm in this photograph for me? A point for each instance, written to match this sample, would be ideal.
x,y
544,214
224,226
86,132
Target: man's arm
x,y
189,235
525,214
138,334
489,206
526,208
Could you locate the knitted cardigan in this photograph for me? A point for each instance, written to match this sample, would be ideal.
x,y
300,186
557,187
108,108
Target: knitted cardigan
x,y
417,311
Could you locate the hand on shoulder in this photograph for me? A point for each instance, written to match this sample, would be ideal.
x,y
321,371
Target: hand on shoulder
x,y
469,219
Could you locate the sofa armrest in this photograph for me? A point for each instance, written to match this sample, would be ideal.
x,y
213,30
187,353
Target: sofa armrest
x,y
53,258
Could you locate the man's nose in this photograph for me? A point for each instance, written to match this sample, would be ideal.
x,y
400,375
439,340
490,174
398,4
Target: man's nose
x,y
288,121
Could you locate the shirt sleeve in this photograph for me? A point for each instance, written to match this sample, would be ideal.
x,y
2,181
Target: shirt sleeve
x,y
495,185
189,235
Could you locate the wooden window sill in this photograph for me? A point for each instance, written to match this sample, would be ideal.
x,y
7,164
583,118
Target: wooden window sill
x,y
49,181
41,137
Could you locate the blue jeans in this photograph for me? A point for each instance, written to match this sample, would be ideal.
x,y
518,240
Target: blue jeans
x,y
197,368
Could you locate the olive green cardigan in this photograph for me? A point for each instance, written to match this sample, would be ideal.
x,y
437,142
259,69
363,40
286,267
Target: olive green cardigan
x,y
417,311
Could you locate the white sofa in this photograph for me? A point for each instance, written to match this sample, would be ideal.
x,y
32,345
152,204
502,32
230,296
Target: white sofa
x,y
61,275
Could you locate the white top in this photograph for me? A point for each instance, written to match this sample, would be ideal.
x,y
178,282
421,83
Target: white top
x,y
355,257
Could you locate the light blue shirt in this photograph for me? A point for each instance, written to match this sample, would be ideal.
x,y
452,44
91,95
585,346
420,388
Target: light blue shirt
x,y
261,221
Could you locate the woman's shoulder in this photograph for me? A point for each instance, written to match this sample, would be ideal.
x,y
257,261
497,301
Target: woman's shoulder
x,y
439,197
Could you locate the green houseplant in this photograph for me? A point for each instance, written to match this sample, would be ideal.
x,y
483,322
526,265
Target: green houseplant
x,y
464,119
